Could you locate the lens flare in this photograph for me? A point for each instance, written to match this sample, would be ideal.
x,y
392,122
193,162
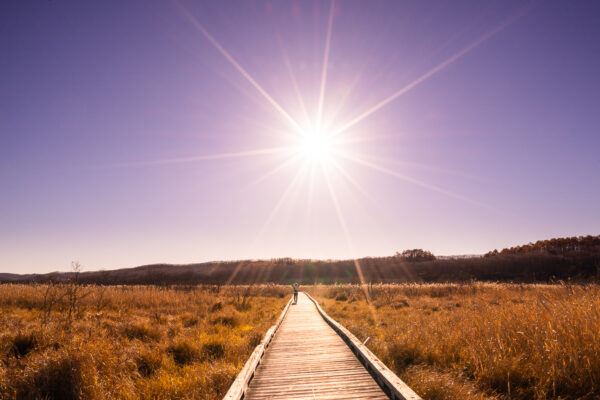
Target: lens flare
x,y
318,146
315,146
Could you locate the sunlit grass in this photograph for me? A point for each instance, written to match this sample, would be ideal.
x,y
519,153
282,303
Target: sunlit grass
x,y
469,341
447,341
130,342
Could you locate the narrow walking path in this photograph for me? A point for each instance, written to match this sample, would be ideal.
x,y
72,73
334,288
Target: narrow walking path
x,y
307,359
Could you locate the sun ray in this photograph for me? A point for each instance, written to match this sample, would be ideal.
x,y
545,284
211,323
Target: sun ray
x,y
311,191
235,271
446,171
344,98
423,166
279,203
238,67
351,180
325,66
263,126
216,156
414,181
275,170
288,66
429,73
345,139
358,76
342,221
407,271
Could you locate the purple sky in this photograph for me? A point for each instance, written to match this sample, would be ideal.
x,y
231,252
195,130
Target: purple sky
x,y
459,127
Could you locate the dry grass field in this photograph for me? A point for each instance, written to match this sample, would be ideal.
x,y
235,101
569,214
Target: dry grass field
x,y
447,341
474,341
71,342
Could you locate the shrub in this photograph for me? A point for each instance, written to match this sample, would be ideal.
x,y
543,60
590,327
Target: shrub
x,y
22,344
183,352
188,320
401,356
254,338
231,320
60,378
142,332
149,362
221,377
213,349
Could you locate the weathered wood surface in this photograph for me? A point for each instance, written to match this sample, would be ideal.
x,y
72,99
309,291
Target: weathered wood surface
x,y
384,376
307,359
240,385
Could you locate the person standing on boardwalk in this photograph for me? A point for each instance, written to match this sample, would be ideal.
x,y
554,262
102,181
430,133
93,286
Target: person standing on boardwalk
x,y
295,285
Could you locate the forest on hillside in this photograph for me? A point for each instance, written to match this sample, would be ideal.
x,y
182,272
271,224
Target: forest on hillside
x,y
568,259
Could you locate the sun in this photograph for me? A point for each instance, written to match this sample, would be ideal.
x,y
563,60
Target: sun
x,y
315,146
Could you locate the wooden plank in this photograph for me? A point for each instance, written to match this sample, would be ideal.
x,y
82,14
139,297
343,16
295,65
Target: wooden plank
x,y
240,385
307,359
394,385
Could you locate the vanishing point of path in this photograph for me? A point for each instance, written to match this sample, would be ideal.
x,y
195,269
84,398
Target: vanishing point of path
x,y
307,359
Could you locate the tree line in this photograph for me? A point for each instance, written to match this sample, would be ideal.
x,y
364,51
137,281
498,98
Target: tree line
x,y
575,259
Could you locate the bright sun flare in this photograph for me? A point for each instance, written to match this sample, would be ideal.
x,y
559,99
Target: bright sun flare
x,y
315,146
318,140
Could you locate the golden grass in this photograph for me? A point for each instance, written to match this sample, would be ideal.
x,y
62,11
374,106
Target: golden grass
x,y
451,341
479,340
129,342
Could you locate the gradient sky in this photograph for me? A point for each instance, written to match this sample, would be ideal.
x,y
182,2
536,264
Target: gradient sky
x,y
480,129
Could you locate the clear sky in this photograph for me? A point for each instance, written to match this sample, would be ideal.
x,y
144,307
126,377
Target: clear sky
x,y
135,132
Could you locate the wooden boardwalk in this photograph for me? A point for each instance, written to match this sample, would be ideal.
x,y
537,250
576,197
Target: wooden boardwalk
x,y
307,359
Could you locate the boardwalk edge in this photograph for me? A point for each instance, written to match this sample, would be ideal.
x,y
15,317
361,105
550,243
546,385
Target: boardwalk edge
x,y
390,382
238,388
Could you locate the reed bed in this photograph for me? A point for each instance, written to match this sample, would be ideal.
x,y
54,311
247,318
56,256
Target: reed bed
x,y
70,341
447,341
472,341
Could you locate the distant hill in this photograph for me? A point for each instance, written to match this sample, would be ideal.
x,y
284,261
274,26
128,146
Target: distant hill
x,y
576,258
4,277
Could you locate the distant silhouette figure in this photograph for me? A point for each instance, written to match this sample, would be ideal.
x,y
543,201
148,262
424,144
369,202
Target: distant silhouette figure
x,y
295,292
